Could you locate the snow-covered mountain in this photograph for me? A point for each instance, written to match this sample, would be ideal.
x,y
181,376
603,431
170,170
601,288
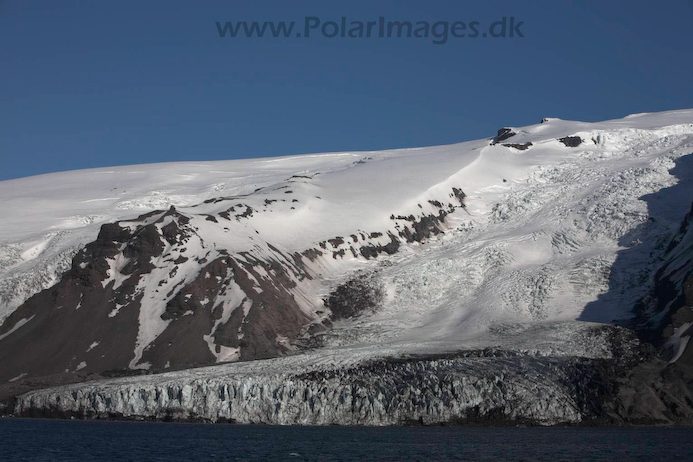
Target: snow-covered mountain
x,y
468,262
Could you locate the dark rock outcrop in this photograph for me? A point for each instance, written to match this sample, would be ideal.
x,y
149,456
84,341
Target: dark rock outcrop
x,y
519,146
670,324
373,250
358,295
571,141
502,135
88,323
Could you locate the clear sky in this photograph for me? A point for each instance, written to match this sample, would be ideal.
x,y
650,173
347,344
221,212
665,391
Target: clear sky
x,y
100,83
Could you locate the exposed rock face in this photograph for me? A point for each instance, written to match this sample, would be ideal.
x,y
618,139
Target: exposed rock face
x,y
92,320
358,295
373,250
571,141
670,325
502,135
519,146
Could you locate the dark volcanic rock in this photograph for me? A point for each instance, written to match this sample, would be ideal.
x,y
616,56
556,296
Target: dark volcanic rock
x,y
247,213
88,323
571,141
358,295
82,324
673,295
62,322
372,250
336,242
425,227
459,194
268,315
503,134
520,146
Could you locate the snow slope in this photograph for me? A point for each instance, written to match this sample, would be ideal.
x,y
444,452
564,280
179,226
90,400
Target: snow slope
x,y
533,244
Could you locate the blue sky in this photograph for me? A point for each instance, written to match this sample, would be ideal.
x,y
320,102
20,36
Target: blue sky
x,y
90,84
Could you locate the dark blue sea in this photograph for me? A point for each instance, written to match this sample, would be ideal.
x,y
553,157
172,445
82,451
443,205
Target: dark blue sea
x,y
43,440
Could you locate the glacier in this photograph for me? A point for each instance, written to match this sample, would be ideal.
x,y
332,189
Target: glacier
x,y
540,387
430,285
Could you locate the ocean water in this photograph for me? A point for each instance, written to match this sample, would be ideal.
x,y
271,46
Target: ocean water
x,y
47,440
